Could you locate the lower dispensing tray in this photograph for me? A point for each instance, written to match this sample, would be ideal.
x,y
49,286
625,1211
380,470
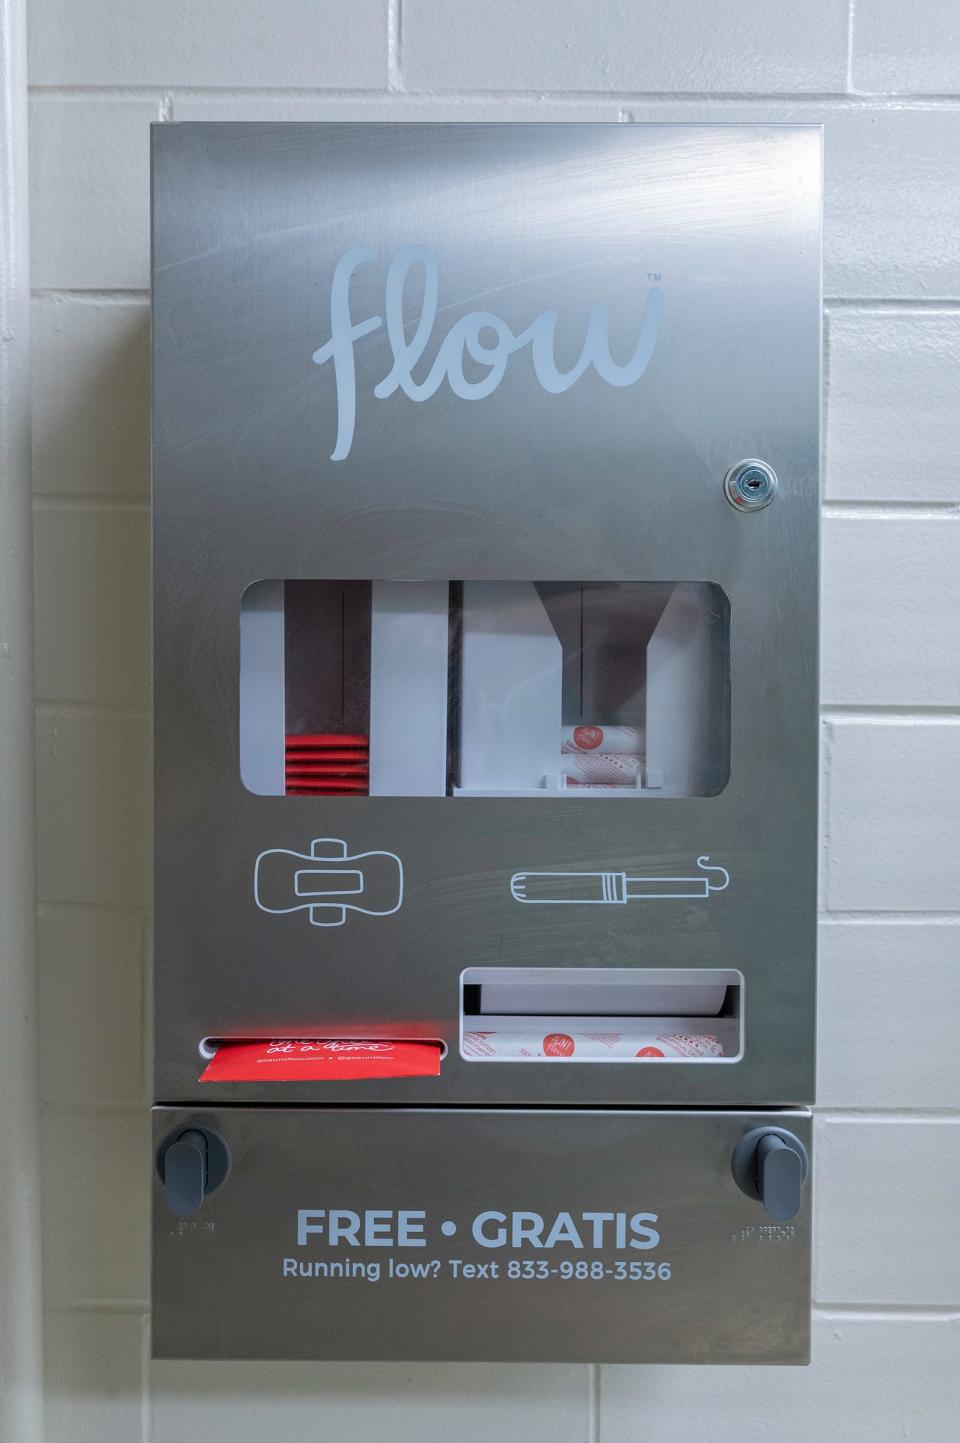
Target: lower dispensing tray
x,y
479,1234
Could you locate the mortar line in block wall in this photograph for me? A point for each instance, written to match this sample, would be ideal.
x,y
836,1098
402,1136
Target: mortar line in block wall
x,y
134,1306
102,711
146,1011
21,1290
883,1115
901,305
879,714
902,1311
162,91
826,916
67,501
89,1110
64,910
890,1312
838,99
146,1397
92,296
875,918
883,919
831,510
394,46
919,1116
905,305
537,96
891,510
825,764
851,26
51,907
826,360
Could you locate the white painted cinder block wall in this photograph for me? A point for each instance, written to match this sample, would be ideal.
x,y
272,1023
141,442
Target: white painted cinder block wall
x,y
884,78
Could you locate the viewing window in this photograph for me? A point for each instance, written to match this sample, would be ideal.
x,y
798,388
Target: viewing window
x,y
616,690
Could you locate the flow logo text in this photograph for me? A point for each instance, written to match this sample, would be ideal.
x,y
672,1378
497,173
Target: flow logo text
x,y
481,335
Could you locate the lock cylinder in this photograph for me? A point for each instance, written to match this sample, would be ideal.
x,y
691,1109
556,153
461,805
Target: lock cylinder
x,y
750,485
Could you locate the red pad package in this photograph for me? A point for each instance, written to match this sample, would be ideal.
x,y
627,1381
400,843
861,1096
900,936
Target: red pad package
x,y
327,764
320,1060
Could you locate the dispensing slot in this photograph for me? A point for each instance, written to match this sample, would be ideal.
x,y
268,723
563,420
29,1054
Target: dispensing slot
x,y
586,1014
320,1058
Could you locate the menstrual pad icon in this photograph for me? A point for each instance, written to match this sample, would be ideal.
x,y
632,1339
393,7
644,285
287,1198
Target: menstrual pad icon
x,y
328,882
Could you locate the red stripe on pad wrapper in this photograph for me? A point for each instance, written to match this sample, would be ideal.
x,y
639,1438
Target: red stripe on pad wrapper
x,y
326,739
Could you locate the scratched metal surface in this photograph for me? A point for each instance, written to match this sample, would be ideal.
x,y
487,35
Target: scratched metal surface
x,y
600,482
735,1289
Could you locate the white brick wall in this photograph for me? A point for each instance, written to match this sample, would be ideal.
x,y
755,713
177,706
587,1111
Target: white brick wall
x,y
723,46
885,81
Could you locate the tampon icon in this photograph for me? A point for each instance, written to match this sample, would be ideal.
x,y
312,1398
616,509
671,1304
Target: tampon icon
x,y
573,889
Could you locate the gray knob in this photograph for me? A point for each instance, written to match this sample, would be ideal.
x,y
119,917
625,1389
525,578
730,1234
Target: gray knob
x,y
191,1162
185,1173
770,1164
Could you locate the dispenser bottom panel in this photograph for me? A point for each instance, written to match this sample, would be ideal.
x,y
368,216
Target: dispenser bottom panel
x,y
489,1235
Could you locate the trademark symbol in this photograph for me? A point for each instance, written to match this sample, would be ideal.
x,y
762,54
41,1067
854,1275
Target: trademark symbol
x,y
653,276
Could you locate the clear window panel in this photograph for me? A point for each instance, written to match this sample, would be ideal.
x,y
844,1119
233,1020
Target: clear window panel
x,y
552,689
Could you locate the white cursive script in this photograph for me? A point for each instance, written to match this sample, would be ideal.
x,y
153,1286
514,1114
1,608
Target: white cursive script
x,y
465,337
305,1047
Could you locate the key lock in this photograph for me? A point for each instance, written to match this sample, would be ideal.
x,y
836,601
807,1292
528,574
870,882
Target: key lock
x,y
191,1162
750,485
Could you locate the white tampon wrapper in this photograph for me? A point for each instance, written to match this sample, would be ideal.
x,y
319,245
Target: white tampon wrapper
x,y
613,740
588,1046
602,769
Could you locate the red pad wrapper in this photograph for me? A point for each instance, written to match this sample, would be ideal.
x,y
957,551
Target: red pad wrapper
x,y
320,1060
325,741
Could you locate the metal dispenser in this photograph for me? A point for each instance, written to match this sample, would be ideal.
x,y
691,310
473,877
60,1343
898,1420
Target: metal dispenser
x,y
486,531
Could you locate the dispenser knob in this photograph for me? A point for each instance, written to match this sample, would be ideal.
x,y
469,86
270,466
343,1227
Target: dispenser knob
x,y
779,1177
191,1162
185,1173
771,1164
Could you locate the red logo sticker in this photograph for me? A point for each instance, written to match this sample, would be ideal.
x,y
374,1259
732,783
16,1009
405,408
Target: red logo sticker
x,y
558,1044
587,738
650,1052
